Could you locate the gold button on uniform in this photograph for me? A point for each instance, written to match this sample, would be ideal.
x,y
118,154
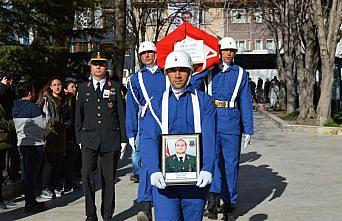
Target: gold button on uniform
x,y
99,115
99,121
98,100
98,107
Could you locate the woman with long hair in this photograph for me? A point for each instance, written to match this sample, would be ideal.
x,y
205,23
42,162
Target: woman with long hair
x,y
55,135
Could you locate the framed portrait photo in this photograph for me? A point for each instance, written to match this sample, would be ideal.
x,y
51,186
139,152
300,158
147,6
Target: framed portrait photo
x,y
180,158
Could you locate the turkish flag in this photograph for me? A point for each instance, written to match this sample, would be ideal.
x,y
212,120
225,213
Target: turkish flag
x,y
188,31
167,152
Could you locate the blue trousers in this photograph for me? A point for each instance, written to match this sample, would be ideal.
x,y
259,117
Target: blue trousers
x,y
177,203
226,179
144,188
136,157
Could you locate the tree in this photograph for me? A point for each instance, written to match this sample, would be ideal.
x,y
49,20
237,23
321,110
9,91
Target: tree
x,y
47,32
120,37
280,18
305,40
327,15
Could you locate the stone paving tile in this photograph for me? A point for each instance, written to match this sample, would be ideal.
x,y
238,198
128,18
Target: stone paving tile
x,y
283,177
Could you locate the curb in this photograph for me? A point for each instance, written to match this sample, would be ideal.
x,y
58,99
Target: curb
x,y
284,126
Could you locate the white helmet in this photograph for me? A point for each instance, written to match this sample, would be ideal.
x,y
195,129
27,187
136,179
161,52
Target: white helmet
x,y
147,46
178,59
228,43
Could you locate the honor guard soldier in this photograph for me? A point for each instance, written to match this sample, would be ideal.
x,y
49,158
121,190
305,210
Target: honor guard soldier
x,y
180,110
100,133
142,86
229,87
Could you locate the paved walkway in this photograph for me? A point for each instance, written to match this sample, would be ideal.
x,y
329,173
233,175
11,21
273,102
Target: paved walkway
x,y
283,177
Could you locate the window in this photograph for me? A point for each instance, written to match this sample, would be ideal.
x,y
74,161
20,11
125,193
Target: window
x,y
258,44
270,44
152,18
205,16
109,22
241,45
257,18
238,16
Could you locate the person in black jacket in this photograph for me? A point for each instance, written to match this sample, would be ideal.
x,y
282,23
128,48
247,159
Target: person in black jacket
x,y
100,129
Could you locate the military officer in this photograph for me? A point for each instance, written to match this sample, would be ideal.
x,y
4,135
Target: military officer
x,y
145,84
180,162
229,87
100,132
180,110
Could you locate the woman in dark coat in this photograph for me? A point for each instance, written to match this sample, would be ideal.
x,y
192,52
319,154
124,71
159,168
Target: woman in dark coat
x,y
55,135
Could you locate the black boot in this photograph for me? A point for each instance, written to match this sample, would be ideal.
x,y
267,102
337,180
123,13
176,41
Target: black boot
x,y
146,214
211,210
228,212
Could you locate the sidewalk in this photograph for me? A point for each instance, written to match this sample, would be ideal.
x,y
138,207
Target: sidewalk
x,y
283,177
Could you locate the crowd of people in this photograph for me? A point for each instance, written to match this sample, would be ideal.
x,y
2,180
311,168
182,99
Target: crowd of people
x,y
62,124
39,128
272,92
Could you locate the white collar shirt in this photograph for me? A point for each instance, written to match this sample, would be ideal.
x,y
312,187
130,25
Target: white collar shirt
x,y
152,68
102,83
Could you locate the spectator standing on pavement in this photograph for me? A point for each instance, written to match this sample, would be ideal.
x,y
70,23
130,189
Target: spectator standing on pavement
x,y
274,94
55,134
30,124
232,98
6,129
100,133
252,87
7,95
72,149
260,84
267,90
145,84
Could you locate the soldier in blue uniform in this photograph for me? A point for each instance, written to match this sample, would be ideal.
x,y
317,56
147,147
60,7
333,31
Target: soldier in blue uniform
x,y
229,87
180,110
142,86
100,133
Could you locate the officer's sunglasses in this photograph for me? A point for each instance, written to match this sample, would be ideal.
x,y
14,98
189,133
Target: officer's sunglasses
x,y
99,63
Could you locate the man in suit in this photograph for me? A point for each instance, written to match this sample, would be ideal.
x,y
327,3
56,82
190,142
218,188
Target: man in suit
x,y
180,162
100,133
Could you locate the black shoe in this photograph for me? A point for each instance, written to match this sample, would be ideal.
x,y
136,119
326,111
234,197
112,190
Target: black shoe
x,y
35,208
228,212
211,210
134,178
91,218
146,214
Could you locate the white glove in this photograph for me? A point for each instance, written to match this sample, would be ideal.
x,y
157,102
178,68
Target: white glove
x,y
204,179
157,180
123,150
131,142
247,140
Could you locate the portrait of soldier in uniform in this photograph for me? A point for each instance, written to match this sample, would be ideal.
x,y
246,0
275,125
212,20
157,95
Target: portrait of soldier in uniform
x,y
180,161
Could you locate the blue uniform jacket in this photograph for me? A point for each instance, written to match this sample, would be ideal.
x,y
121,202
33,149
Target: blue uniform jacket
x,y
180,122
232,120
155,85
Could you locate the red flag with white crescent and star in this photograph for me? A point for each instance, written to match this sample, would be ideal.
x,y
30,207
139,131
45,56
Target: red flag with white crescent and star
x,y
189,32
